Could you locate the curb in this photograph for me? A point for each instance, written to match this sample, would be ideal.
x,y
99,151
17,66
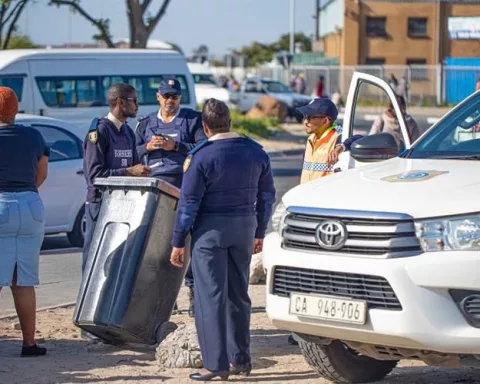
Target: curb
x,y
64,305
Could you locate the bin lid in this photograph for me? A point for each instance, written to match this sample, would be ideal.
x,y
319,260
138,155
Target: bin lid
x,y
132,182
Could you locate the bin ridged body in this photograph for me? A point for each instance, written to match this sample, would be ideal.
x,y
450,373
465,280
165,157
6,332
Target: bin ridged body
x,y
129,286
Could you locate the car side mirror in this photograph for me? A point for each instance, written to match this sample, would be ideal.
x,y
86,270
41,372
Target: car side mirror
x,y
368,149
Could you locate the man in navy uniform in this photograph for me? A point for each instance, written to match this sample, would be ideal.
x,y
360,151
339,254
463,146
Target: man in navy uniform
x,y
164,139
109,150
225,202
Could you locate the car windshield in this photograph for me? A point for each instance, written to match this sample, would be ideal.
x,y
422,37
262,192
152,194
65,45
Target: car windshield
x,y
276,87
457,136
200,78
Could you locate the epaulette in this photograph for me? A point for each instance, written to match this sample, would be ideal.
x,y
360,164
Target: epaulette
x,y
198,147
93,131
140,120
188,160
252,141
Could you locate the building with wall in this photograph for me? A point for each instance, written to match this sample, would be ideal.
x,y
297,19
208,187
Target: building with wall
x,y
409,32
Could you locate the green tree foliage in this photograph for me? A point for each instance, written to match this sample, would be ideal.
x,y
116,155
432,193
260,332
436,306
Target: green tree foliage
x,y
259,53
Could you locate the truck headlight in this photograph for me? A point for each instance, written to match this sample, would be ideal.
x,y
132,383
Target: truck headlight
x,y
278,218
460,233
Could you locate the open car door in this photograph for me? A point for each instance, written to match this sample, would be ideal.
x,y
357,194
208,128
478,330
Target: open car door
x,y
353,123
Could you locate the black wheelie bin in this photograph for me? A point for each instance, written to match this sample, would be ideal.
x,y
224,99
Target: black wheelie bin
x,y
129,286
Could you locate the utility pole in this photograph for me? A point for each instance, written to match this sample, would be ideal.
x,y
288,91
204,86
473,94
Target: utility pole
x,y
317,20
292,27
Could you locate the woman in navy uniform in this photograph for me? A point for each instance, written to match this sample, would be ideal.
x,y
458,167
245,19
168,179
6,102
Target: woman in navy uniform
x,y
164,139
226,201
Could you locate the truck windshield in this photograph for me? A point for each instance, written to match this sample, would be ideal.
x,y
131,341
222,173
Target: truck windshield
x,y
457,136
276,87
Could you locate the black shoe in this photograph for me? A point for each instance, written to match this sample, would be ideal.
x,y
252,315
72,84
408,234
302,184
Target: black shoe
x,y
241,369
33,350
223,375
292,341
191,299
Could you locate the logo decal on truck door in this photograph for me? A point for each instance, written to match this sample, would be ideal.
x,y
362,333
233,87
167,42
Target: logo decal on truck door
x,y
413,176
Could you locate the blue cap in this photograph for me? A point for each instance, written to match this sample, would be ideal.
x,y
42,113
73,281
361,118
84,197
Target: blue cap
x,y
170,86
320,106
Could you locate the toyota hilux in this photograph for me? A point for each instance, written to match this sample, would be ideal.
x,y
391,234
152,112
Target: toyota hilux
x,y
381,261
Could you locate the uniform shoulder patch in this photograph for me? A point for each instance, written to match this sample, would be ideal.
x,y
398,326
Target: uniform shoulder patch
x,y
199,146
93,131
252,141
186,163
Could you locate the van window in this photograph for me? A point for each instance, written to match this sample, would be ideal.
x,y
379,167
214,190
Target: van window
x,y
146,86
82,92
14,82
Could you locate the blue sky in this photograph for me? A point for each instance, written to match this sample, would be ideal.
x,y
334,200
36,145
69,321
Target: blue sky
x,y
220,24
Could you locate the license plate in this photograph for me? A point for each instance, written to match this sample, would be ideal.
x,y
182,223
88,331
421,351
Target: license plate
x,y
328,308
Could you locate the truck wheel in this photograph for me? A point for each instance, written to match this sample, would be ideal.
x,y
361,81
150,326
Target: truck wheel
x,y
339,364
77,235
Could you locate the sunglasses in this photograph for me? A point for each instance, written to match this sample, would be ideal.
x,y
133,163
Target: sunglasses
x,y
171,96
310,118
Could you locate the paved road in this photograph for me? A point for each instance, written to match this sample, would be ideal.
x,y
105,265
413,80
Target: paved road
x,y
60,265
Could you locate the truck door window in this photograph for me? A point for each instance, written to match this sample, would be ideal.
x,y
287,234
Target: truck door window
x,y
15,82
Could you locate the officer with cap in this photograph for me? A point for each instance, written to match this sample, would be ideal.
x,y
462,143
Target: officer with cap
x,y
226,202
319,122
164,139
109,150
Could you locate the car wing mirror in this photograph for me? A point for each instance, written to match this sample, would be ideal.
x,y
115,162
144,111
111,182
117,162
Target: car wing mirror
x,y
381,146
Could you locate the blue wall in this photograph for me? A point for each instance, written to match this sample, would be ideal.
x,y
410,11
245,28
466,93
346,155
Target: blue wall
x,y
460,82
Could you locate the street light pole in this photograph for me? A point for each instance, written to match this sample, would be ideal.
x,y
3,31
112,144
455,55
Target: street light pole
x,y
292,27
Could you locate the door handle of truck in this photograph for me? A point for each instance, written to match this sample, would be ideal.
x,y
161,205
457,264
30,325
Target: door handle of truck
x,y
80,172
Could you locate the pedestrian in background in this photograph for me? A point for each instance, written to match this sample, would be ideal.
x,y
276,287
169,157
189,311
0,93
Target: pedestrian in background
x,y
164,139
109,150
226,202
23,169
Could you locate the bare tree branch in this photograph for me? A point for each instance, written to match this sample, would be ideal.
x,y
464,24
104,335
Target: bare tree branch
x,y
145,5
14,16
101,24
154,21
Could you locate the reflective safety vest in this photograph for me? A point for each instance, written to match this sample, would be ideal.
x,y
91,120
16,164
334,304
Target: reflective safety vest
x,y
316,155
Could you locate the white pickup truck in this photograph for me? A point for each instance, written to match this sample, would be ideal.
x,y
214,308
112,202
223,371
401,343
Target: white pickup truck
x,y
253,88
381,262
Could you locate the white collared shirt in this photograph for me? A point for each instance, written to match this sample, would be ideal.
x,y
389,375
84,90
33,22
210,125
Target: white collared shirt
x,y
160,117
118,124
224,135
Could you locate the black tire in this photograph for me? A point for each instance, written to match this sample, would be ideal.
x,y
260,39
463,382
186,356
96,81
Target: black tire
x,y
76,236
339,364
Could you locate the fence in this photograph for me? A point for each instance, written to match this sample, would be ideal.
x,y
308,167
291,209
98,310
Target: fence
x,y
428,85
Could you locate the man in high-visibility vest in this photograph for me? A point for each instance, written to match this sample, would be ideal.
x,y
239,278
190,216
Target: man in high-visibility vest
x,y
325,135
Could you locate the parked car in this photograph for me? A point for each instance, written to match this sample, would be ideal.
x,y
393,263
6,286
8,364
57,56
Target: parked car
x,y
72,84
64,191
380,262
253,88
206,86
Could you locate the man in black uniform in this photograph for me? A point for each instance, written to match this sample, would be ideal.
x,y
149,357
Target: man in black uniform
x,y
164,139
109,150
225,202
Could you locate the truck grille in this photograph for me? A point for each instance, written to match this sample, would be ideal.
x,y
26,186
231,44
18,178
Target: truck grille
x,y
367,233
472,306
375,290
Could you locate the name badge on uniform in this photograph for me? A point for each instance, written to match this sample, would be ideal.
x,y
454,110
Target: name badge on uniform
x,y
186,163
93,137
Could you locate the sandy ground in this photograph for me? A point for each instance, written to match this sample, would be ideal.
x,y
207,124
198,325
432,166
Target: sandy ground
x,y
73,360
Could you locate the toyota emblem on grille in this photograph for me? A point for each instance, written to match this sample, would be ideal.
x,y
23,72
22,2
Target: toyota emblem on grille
x,y
331,235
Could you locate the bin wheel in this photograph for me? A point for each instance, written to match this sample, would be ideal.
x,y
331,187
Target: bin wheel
x,y
76,237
